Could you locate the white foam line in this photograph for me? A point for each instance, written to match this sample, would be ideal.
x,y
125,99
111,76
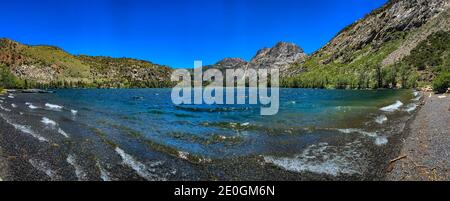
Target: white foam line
x,y
411,107
322,159
27,129
79,172
5,109
416,98
381,119
63,133
137,166
379,140
44,167
104,175
48,122
245,124
393,107
53,107
355,130
31,106
74,112
24,129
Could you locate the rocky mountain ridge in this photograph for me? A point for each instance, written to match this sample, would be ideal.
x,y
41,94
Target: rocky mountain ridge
x,y
281,56
376,51
380,27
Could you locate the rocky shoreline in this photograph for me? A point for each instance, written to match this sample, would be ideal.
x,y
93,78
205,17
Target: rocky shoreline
x,y
425,155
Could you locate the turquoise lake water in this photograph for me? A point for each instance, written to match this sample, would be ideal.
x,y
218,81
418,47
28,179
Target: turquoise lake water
x,y
139,134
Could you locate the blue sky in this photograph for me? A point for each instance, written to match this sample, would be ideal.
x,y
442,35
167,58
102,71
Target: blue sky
x,y
177,32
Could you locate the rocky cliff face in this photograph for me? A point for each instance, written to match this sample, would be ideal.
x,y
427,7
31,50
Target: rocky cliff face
x,y
372,51
281,56
231,63
381,26
12,55
439,22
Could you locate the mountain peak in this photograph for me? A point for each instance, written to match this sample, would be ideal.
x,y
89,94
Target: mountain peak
x,y
287,45
280,56
231,63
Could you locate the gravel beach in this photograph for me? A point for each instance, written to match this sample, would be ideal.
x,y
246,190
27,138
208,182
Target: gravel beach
x,y
425,155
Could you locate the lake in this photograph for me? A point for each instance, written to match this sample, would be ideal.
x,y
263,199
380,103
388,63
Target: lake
x,y
138,134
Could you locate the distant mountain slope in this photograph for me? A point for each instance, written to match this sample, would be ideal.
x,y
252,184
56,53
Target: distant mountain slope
x,y
280,56
125,72
41,63
48,66
370,53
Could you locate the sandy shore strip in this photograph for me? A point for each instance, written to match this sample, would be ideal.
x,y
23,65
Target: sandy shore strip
x,y
425,155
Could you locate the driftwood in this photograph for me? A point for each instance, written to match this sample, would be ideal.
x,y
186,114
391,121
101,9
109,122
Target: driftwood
x,y
420,166
398,158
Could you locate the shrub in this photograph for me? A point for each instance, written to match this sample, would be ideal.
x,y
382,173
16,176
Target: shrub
x,y
8,80
442,82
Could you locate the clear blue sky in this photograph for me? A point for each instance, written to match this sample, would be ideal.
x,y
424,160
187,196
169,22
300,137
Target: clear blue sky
x,y
177,32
